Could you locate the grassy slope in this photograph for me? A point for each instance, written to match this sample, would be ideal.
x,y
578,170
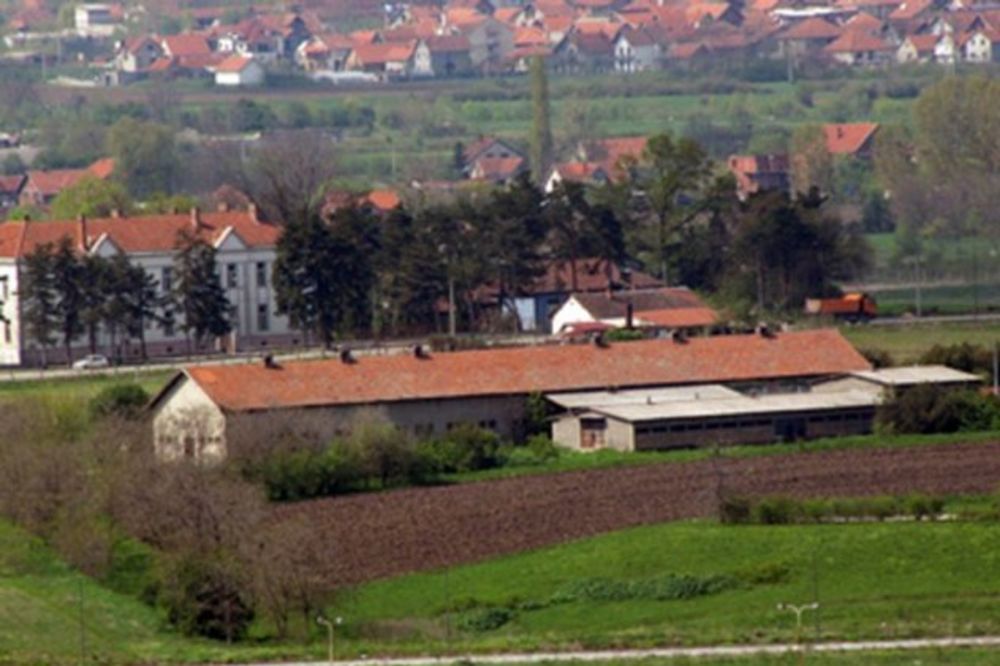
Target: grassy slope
x,y
907,343
981,657
81,388
874,581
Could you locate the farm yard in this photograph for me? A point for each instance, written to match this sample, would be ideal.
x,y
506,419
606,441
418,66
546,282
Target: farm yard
x,y
438,527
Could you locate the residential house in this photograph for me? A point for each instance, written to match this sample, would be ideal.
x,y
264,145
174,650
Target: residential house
x,y
851,139
860,47
41,187
451,55
808,38
136,55
918,48
759,173
497,170
977,46
428,393
490,41
665,308
637,50
615,155
392,59
325,52
97,20
239,71
583,52
588,173
488,147
245,248
10,191
534,304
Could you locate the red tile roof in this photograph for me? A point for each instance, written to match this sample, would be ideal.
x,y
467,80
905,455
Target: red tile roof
x,y
153,233
848,138
592,275
857,40
383,200
186,45
386,52
50,183
677,317
234,63
496,168
580,172
11,184
812,28
522,370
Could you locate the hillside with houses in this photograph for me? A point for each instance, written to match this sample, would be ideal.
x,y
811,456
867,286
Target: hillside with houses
x,y
241,46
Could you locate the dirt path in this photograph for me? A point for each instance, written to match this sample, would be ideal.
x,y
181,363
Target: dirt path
x,y
388,534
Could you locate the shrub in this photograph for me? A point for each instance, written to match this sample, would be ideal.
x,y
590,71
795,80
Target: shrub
x,y
878,357
735,510
931,409
466,448
485,619
203,598
776,511
542,448
121,400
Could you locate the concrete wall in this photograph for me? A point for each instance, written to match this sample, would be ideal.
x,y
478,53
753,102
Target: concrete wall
x,y
187,412
189,425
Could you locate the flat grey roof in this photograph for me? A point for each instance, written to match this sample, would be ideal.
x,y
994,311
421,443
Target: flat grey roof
x,y
655,395
739,406
917,374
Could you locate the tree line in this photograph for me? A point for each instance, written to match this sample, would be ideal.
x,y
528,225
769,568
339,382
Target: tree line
x,y
66,294
670,213
358,272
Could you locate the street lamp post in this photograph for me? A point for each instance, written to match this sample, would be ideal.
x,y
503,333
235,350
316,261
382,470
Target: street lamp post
x,y
337,621
798,610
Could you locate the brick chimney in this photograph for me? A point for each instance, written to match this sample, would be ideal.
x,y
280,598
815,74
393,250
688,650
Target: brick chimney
x,y
195,218
116,213
81,222
252,210
223,207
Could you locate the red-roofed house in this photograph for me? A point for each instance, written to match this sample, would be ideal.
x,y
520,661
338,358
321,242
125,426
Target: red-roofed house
x,y
239,71
589,173
850,139
759,173
809,37
617,308
637,50
860,47
426,393
391,59
245,255
498,170
10,191
41,187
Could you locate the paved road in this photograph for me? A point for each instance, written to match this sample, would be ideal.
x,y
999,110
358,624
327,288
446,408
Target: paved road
x,y
983,317
670,653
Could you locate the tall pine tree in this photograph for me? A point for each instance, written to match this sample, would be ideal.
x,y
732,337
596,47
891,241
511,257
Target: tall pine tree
x,y
541,129
39,298
198,292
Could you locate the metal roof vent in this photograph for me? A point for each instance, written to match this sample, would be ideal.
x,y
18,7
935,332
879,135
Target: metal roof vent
x,y
270,363
421,352
347,356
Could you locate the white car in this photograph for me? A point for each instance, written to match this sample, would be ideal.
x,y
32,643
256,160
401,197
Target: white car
x,y
92,362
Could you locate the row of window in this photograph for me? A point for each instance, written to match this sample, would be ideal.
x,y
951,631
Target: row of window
x,y
744,423
232,276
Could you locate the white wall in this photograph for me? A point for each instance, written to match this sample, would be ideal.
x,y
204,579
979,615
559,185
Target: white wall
x,y
571,312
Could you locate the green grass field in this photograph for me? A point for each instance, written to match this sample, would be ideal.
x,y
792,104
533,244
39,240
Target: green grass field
x,y
956,657
908,342
81,388
886,580
873,581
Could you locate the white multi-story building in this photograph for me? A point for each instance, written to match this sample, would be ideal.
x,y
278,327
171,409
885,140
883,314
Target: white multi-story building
x,y
245,258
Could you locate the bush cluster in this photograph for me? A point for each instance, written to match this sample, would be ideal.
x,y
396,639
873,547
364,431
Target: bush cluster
x,y
928,409
786,511
667,588
378,457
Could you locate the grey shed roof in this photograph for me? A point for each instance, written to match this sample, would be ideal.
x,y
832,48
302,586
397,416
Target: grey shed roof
x,y
917,374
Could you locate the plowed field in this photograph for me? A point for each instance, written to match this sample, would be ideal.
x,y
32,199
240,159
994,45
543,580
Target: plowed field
x,y
387,534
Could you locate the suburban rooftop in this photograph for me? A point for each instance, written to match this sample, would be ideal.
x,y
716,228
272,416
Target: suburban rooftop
x,y
523,370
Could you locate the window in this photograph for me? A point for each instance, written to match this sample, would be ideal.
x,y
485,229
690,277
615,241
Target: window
x,y
232,276
168,323
263,320
167,279
6,332
3,288
261,274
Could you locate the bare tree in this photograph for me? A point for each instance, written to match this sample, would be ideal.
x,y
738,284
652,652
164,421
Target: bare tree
x,y
286,176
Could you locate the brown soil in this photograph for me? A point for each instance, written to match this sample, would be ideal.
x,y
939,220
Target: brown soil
x,y
388,534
